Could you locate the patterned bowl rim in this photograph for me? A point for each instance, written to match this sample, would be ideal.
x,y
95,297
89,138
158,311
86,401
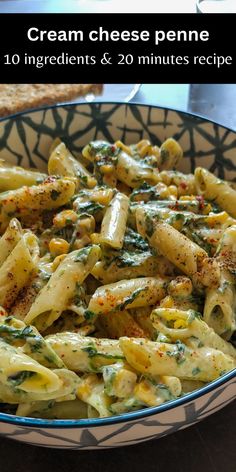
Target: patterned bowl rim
x,y
145,412
65,105
123,418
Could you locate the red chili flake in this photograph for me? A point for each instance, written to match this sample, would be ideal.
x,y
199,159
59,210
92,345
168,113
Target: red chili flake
x,y
113,148
225,253
183,185
201,202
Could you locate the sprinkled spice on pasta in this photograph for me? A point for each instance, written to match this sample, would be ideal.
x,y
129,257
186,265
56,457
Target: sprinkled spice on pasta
x,y
117,281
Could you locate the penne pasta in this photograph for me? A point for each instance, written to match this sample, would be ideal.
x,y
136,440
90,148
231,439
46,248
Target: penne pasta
x,y
117,281
60,291
12,178
154,358
83,353
25,201
114,222
62,163
215,189
133,293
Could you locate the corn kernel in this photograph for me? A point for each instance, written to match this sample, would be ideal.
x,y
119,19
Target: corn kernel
x,y
87,385
58,246
187,197
165,177
145,393
173,190
102,196
107,169
91,182
64,217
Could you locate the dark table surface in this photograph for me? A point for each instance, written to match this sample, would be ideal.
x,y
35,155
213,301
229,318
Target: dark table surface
x,y
209,446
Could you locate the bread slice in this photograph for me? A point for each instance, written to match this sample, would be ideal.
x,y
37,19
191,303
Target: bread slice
x,y
19,97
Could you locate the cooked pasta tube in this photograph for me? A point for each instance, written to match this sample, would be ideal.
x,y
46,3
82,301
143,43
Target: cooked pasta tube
x,y
91,391
220,304
226,250
99,195
26,297
96,149
194,205
130,266
131,293
63,163
83,353
15,177
132,172
121,323
216,189
114,221
60,290
170,154
187,326
17,269
25,201
21,371
154,358
9,239
67,382
55,410
142,317
190,258
16,333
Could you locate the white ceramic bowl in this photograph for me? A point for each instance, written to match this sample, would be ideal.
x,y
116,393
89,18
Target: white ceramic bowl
x,y
24,140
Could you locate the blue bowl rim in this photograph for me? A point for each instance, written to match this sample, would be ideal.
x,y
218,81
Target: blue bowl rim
x,y
123,418
145,412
